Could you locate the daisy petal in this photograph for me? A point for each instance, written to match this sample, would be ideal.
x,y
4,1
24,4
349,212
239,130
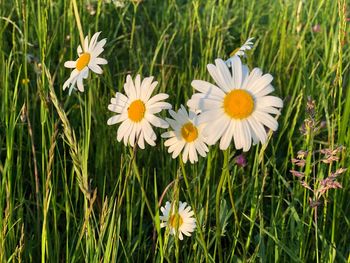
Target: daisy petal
x,y
95,68
80,84
116,119
70,64
266,119
237,72
101,61
213,71
206,87
156,121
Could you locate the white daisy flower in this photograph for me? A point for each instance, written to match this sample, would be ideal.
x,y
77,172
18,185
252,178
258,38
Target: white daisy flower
x,y
186,135
136,111
182,220
88,59
248,45
238,108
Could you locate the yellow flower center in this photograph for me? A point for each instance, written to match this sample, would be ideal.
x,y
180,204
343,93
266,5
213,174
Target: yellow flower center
x,y
189,132
176,221
83,61
238,104
136,110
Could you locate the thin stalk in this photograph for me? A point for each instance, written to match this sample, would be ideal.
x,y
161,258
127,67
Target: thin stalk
x,y
121,197
217,202
176,198
154,237
233,205
77,19
199,229
133,28
316,235
138,176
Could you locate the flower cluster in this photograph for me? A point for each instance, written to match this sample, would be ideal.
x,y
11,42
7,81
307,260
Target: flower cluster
x,y
236,108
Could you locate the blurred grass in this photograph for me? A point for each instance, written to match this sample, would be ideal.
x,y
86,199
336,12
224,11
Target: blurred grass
x,y
51,213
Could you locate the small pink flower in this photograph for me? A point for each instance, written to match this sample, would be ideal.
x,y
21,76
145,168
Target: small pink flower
x,y
241,161
316,28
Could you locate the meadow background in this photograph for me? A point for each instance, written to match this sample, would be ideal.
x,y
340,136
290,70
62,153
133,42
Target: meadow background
x,y
69,192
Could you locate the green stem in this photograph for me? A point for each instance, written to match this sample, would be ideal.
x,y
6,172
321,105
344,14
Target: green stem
x,y
138,176
230,191
77,19
217,202
133,28
199,229
316,235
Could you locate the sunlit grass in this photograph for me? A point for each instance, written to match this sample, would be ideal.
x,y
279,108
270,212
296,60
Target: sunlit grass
x,y
70,192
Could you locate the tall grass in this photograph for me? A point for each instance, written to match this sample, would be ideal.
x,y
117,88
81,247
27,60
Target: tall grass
x,y
70,192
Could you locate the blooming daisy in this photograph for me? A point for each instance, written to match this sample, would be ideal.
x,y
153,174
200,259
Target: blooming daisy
x,y
136,111
88,59
238,107
182,219
241,50
186,134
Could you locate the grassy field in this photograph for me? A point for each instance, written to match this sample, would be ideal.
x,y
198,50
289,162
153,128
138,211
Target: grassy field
x,y
70,192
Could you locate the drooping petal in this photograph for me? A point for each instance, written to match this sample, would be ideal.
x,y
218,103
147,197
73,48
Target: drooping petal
x,y
80,84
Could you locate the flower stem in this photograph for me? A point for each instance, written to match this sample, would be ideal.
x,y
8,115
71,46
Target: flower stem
x,y
138,176
217,202
77,19
316,234
199,229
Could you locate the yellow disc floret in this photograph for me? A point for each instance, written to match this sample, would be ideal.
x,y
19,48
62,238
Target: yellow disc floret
x,y
189,132
136,110
238,104
83,61
176,221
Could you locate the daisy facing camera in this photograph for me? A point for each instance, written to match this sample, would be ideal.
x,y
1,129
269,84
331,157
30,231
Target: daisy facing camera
x,y
186,136
181,222
136,111
238,107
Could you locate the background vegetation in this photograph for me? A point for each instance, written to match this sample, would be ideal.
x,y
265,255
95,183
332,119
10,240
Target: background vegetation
x,y
69,192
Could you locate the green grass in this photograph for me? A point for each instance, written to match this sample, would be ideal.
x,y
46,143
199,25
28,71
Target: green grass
x,y
69,192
